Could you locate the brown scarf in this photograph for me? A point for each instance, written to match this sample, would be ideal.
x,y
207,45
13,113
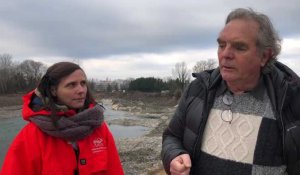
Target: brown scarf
x,y
72,128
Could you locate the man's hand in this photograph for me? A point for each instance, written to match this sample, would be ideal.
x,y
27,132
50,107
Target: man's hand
x,y
181,165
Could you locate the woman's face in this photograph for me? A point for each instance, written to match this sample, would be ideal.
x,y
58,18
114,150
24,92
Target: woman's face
x,y
72,89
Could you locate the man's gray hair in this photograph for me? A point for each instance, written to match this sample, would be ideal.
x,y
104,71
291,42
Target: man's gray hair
x,y
267,35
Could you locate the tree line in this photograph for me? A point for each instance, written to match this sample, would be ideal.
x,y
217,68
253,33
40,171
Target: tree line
x,y
176,84
19,77
24,76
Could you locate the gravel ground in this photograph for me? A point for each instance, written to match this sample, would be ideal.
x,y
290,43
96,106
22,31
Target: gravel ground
x,y
141,155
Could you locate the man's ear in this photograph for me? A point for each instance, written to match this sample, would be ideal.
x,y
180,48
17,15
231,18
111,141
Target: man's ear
x,y
266,56
53,91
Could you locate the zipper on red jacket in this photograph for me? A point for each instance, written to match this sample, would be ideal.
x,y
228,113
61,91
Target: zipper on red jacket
x,y
77,151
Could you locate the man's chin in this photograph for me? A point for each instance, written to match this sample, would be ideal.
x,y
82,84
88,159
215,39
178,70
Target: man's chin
x,y
227,77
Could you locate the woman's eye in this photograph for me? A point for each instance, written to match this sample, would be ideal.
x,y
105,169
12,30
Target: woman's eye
x,y
71,85
83,83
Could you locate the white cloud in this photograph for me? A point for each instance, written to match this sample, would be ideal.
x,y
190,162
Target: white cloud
x,y
143,65
14,40
131,38
290,54
291,47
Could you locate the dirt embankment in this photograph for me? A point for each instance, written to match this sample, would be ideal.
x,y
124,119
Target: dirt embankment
x,y
139,155
10,105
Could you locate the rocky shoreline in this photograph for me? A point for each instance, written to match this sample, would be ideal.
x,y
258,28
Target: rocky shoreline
x,y
141,155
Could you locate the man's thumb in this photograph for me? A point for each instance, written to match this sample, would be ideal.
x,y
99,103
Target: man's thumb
x,y
187,160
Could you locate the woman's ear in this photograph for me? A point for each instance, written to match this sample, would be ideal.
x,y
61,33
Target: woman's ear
x,y
53,91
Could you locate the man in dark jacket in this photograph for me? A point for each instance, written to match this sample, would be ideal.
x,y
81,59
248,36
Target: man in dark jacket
x,y
243,117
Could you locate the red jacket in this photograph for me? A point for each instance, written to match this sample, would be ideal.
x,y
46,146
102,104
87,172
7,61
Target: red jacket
x,y
35,153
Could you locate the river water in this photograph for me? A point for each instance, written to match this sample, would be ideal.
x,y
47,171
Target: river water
x,y
10,127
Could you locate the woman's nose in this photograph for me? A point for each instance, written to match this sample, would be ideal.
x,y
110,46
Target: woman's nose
x,y
81,88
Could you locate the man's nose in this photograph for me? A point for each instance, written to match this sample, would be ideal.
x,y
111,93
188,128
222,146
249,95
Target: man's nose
x,y
227,52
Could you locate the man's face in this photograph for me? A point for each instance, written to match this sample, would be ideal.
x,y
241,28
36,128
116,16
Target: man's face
x,y
72,89
239,58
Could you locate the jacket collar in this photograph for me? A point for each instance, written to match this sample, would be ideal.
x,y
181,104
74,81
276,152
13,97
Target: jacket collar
x,y
257,92
211,77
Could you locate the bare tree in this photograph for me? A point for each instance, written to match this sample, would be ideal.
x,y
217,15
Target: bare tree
x,y
5,60
32,72
15,77
182,74
204,65
5,72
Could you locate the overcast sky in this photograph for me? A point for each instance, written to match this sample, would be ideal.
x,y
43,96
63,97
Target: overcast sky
x,y
132,38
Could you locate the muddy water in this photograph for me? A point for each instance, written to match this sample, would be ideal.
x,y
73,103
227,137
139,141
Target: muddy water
x,y
120,131
9,128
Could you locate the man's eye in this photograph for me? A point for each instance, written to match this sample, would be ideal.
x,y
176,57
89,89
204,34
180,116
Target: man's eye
x,y
222,45
240,47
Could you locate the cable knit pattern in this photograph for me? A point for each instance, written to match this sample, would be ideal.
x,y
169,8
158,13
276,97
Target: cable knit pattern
x,y
249,144
235,141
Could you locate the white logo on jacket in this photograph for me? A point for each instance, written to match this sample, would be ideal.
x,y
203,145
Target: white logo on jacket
x,y
98,145
98,142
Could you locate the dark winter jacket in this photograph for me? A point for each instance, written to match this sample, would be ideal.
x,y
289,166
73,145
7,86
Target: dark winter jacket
x,y
185,131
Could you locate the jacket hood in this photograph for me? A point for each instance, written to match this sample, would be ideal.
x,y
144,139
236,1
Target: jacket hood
x,y
28,112
209,77
282,72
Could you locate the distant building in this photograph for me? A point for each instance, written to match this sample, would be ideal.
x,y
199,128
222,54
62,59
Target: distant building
x,y
112,86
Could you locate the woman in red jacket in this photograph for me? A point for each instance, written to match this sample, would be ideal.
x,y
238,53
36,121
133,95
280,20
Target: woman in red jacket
x,y
66,133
